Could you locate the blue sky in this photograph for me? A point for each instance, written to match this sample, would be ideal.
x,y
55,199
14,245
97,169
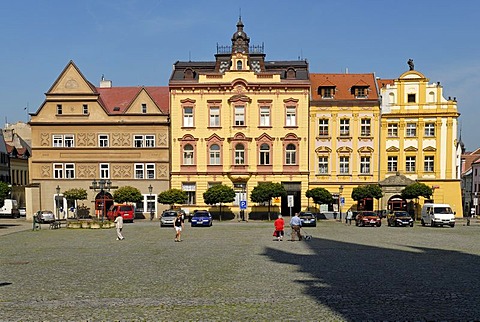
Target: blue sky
x,y
135,42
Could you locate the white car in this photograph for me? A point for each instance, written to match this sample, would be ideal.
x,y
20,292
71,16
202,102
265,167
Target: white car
x,y
45,216
435,214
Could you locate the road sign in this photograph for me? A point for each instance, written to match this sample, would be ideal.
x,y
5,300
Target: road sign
x,y
342,201
290,201
243,204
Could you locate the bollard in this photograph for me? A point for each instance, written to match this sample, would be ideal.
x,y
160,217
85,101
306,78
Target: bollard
x,y
36,225
468,221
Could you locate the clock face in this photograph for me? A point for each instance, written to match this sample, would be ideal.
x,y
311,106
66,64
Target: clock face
x,y
239,33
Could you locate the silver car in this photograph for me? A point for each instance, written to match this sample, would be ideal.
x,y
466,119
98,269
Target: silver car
x,y
44,216
168,218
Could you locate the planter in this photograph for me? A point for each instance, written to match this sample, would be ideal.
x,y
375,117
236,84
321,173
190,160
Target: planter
x,y
85,224
95,225
74,225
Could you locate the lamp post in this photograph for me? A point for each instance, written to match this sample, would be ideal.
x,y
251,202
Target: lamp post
x,y
102,184
57,201
150,188
340,190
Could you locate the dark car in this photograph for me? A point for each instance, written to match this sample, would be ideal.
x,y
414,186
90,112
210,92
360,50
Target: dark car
x,y
308,219
399,218
368,218
201,218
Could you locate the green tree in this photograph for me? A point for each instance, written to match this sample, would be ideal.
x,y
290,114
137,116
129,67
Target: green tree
x,y
416,190
361,193
75,194
172,196
4,192
219,194
265,191
127,194
319,196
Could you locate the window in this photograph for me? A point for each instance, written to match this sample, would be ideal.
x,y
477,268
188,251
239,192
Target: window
x,y
264,154
144,108
392,164
139,171
323,127
429,129
344,127
291,154
411,98
323,165
291,116
188,154
411,130
190,189
214,116
410,164
214,154
326,91
69,170
365,165
69,141
239,154
104,171
361,91
239,65
188,116
58,170
85,109
392,130
144,171
144,141
58,140
59,109
429,164
365,127
150,170
103,140
264,116
239,115
344,165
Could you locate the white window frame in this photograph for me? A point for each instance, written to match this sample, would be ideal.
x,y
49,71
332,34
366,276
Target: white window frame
x,y
411,130
392,130
69,170
344,164
291,116
58,170
144,108
264,115
344,127
138,141
429,129
365,127
104,169
214,118
188,155
149,140
239,115
85,109
323,127
323,164
190,188
429,163
150,170
264,154
139,171
68,141
239,154
365,162
103,140
291,155
392,163
410,163
57,141
214,155
188,116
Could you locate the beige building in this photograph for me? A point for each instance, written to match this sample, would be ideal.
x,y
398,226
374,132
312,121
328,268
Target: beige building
x,y
240,120
344,135
82,134
419,139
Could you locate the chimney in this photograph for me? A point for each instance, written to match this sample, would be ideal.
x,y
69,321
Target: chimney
x,y
105,83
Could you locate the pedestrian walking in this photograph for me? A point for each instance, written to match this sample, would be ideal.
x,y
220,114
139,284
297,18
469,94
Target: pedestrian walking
x,y
349,216
279,224
296,224
178,225
119,227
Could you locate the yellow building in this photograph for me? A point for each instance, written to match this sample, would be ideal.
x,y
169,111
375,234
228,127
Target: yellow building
x,y
240,120
115,136
419,136
344,135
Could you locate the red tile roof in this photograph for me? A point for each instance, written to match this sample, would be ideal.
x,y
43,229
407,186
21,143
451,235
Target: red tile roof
x,y
343,84
122,97
384,82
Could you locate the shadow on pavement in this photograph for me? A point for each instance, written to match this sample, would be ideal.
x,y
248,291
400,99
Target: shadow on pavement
x,y
372,283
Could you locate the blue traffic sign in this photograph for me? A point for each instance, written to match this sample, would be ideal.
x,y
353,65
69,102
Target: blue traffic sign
x,y
243,204
342,201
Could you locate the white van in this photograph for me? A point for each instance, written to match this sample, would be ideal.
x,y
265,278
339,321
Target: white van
x,y
10,209
437,214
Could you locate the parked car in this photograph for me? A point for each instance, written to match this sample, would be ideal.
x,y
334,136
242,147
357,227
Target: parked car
x,y
399,218
168,218
126,211
201,218
436,214
308,218
9,209
368,218
44,216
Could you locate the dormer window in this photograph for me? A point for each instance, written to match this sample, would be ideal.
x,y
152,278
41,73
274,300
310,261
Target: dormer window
x,y
189,74
326,92
360,91
291,74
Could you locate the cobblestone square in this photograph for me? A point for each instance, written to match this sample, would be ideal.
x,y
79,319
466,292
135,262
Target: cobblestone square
x,y
235,271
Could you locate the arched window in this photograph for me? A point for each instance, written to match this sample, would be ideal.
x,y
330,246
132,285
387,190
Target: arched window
x,y
264,154
391,98
239,65
188,154
291,154
431,97
239,154
214,154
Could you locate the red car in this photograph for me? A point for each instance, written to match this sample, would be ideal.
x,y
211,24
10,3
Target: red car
x,y
126,211
368,218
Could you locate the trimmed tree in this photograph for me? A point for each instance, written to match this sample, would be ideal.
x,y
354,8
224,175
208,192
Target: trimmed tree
x,y
127,194
361,193
74,195
265,191
219,194
416,190
319,196
172,196
4,192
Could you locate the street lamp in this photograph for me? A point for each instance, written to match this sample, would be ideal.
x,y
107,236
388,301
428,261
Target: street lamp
x,y
340,190
150,188
57,201
102,184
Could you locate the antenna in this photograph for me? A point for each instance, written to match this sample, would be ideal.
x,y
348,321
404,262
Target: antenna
x,y
189,56
239,13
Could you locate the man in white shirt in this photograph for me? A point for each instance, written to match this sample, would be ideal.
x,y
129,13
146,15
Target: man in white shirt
x,y
119,227
296,224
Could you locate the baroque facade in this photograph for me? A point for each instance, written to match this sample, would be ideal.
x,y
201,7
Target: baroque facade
x,y
83,134
240,120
